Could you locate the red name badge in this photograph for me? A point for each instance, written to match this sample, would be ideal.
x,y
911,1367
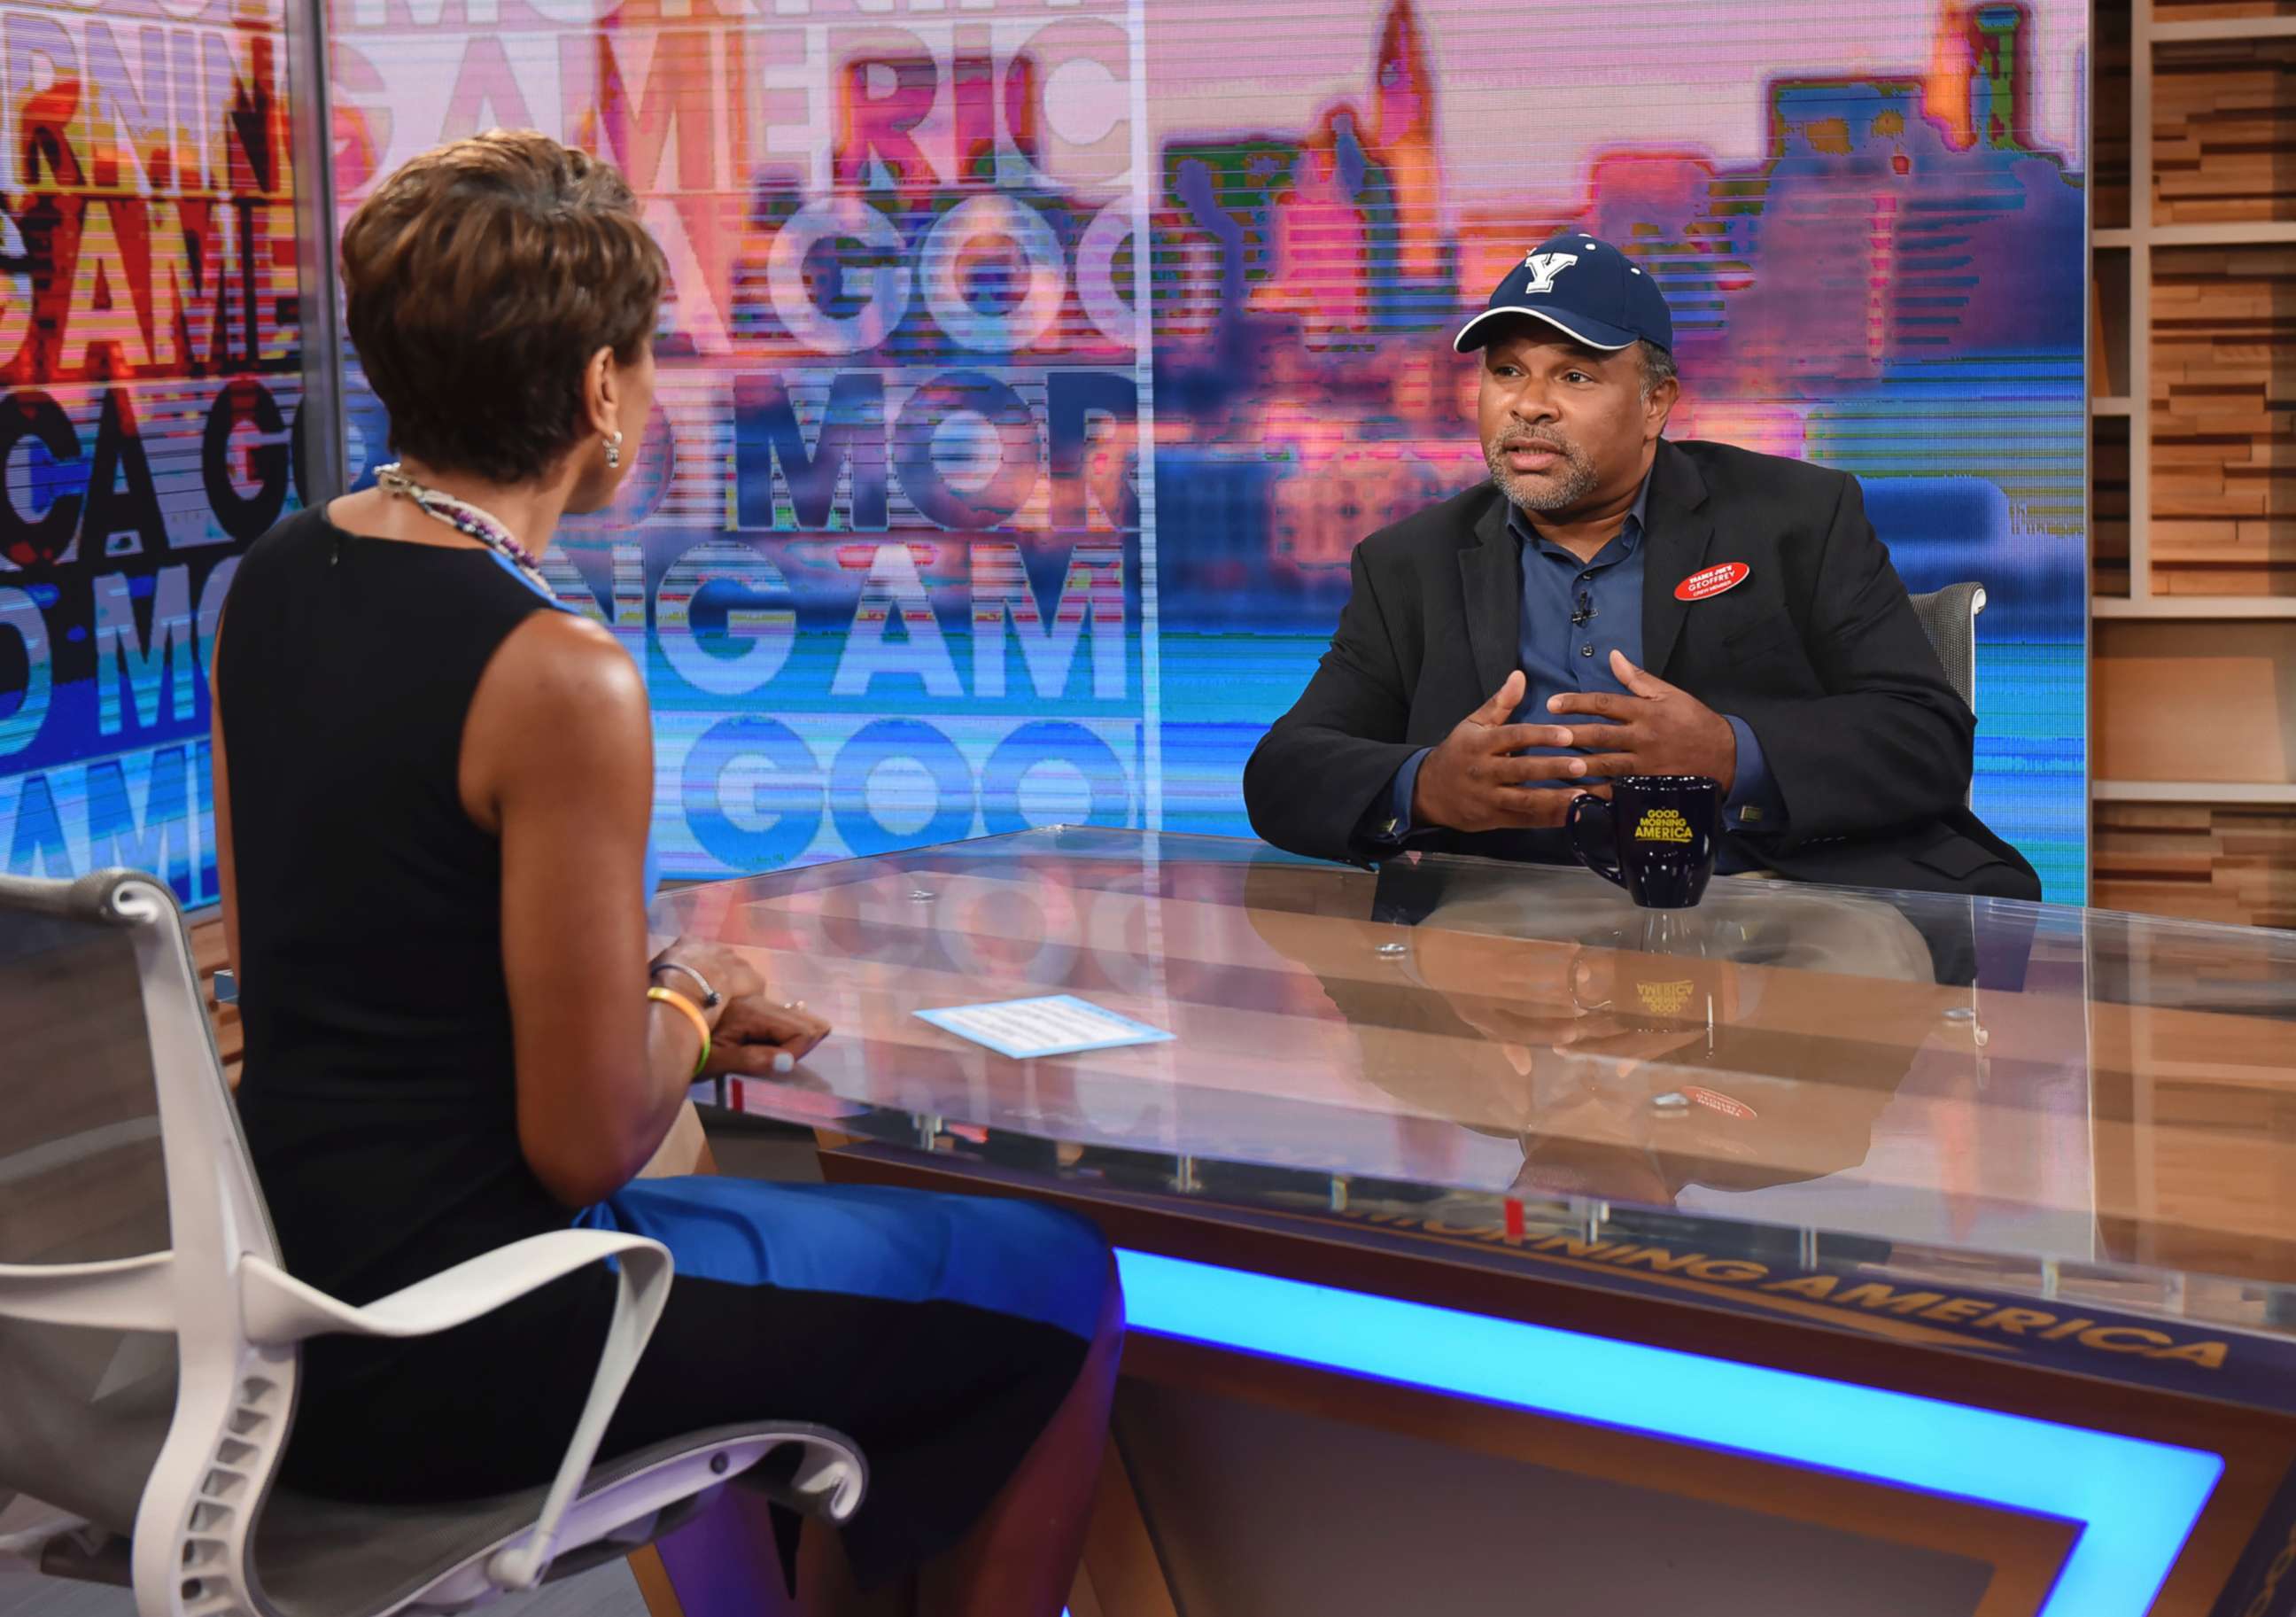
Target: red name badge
x,y
1712,582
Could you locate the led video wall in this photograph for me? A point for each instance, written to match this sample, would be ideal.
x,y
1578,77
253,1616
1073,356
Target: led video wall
x,y
148,367
1031,367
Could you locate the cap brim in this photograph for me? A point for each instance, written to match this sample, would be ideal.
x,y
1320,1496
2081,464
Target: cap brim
x,y
1594,333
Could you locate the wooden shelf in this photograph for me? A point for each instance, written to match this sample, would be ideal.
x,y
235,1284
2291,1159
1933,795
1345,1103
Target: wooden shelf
x,y
2190,607
2184,493
2261,233
2222,27
2194,792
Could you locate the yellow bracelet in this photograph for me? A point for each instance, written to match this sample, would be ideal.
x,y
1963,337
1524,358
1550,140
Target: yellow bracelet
x,y
692,1012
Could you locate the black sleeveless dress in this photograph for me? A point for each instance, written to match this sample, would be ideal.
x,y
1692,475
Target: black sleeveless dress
x,y
379,1102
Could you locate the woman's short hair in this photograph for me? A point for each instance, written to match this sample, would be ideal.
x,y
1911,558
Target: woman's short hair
x,y
481,279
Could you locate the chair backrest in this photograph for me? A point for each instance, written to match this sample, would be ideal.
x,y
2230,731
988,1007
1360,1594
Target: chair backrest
x,y
83,1412
127,1201
1949,618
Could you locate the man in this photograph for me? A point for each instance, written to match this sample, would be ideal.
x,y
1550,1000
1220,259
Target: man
x,y
1613,604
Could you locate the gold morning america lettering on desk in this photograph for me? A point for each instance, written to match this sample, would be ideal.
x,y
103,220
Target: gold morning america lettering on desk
x,y
1663,826
1848,1300
1665,999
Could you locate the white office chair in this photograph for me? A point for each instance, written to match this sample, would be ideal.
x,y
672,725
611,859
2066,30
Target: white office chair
x,y
149,1337
1948,619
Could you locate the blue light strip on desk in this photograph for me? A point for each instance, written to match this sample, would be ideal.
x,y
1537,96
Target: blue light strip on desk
x,y
2136,1500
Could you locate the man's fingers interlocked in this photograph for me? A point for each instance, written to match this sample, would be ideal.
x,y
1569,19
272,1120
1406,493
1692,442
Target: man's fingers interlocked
x,y
1520,738
1515,771
1537,807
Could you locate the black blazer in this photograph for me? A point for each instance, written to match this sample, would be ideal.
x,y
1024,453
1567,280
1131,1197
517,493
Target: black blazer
x,y
1818,651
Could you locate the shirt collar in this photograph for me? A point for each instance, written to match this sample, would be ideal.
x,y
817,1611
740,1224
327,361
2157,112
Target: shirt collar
x,y
1630,536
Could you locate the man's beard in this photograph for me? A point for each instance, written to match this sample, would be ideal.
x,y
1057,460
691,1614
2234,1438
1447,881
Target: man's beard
x,y
1555,490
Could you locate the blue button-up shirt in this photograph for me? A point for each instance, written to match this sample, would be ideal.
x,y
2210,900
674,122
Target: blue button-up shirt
x,y
1574,613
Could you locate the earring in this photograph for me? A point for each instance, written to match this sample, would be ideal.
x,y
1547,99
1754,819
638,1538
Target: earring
x,y
613,450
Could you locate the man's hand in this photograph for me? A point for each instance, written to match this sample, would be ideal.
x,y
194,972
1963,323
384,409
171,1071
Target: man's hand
x,y
1658,729
1471,782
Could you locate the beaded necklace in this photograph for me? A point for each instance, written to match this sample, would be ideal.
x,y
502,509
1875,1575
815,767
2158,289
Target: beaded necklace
x,y
465,519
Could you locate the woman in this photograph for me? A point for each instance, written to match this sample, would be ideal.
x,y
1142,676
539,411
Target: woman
x,y
432,792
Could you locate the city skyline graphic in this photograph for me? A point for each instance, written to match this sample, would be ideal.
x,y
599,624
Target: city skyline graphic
x,y
1029,369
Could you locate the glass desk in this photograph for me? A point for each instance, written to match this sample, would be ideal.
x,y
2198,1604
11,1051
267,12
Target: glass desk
x,y
1914,1131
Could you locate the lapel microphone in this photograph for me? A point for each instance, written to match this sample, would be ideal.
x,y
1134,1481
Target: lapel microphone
x,y
1585,612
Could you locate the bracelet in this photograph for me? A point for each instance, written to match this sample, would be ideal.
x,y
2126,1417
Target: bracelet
x,y
711,997
692,1013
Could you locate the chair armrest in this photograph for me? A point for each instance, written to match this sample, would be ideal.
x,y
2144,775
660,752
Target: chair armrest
x,y
279,1308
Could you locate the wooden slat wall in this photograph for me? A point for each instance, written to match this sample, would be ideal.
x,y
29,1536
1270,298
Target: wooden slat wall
x,y
2223,433
2208,697
2224,131
2109,152
2211,11
2108,519
2234,864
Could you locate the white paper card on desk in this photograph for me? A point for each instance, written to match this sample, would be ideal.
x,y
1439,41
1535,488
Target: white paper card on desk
x,y
1056,1024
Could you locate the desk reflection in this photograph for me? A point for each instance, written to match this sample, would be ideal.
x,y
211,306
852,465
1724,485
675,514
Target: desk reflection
x,y
1626,1051
2000,1084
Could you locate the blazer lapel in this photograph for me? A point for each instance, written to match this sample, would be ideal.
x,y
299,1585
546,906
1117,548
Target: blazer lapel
x,y
1679,531
1490,571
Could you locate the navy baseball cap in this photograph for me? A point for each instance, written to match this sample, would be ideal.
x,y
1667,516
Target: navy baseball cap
x,y
1586,289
